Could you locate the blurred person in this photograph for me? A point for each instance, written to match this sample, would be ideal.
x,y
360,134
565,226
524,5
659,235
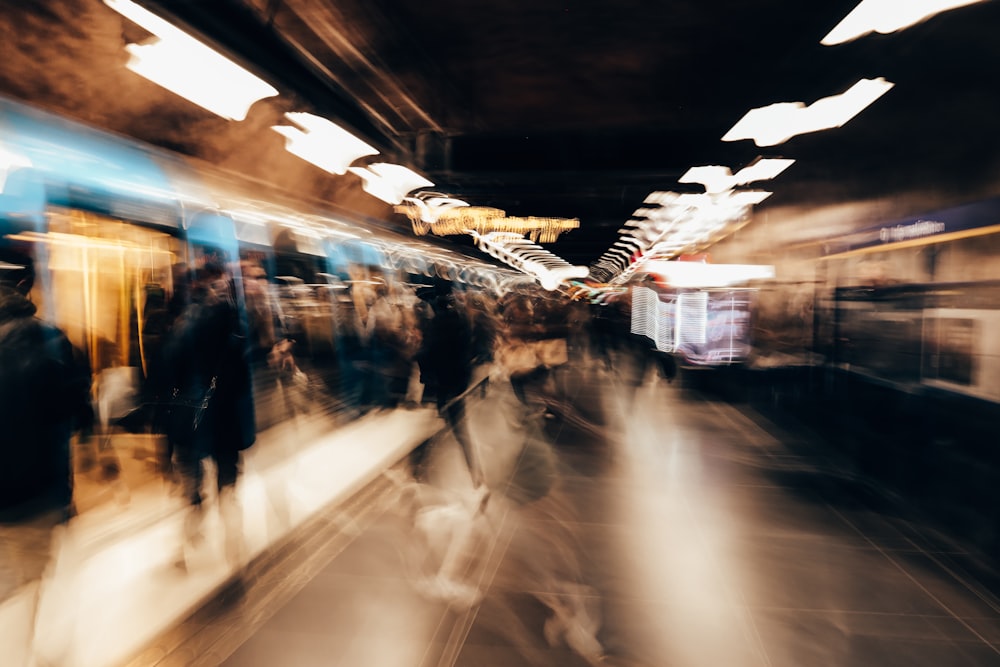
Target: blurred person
x,y
356,336
44,398
578,322
211,413
543,550
485,323
530,514
294,383
445,360
410,321
262,334
393,341
603,335
348,344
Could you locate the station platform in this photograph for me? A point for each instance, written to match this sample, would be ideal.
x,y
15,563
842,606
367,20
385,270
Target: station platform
x,y
118,583
645,525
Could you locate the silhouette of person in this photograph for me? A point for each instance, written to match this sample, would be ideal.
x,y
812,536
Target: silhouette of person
x,y
212,407
44,398
445,360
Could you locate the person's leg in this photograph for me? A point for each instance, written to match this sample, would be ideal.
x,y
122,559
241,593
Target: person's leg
x,y
27,563
453,412
191,477
227,467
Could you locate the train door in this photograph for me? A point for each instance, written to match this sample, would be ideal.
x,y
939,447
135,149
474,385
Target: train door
x,y
106,283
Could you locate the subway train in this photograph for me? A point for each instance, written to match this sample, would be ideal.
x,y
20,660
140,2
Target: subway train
x,y
112,225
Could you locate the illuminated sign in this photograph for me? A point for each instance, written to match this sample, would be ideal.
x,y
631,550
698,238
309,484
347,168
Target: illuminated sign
x,y
915,230
946,225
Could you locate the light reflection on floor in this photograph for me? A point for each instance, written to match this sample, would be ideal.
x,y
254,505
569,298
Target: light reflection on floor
x,y
676,532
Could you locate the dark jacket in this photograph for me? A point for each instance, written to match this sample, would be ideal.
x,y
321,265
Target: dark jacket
x,y
206,342
44,397
445,357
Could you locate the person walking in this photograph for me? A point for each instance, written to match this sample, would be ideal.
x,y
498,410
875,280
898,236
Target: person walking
x,y
446,360
44,398
211,412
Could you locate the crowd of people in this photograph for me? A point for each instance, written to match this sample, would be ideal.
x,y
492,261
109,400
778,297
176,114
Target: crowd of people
x,y
224,337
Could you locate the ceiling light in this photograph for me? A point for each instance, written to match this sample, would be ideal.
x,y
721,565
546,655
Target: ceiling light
x,y
777,123
460,219
428,207
322,142
763,169
390,182
886,16
185,66
748,197
661,198
719,179
685,221
645,212
520,253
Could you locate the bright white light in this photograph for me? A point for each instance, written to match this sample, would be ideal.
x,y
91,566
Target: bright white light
x,y
185,66
685,221
763,169
886,16
322,142
661,198
390,182
713,177
699,274
518,252
719,179
777,123
748,197
10,162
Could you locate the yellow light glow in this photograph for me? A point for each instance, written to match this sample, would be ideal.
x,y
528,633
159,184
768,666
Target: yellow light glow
x,y
484,219
185,66
162,257
887,16
428,208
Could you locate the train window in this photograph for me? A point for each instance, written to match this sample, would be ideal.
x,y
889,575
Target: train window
x,y
104,280
949,349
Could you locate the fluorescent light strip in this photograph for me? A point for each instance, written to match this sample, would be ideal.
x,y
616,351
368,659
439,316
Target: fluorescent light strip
x,y
187,67
520,253
685,221
718,179
887,16
322,142
699,274
390,182
777,123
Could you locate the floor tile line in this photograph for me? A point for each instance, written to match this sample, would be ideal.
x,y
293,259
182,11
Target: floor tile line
x,y
919,585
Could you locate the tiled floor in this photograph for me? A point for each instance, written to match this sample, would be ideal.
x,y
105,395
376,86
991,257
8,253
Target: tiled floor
x,y
678,532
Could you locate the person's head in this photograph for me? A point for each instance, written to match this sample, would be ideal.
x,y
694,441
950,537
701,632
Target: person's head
x,y
17,270
442,287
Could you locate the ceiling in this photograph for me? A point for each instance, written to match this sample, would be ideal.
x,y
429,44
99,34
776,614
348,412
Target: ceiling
x,y
569,108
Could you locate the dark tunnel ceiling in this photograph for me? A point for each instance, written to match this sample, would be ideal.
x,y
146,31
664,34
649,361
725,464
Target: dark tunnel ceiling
x,y
580,108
